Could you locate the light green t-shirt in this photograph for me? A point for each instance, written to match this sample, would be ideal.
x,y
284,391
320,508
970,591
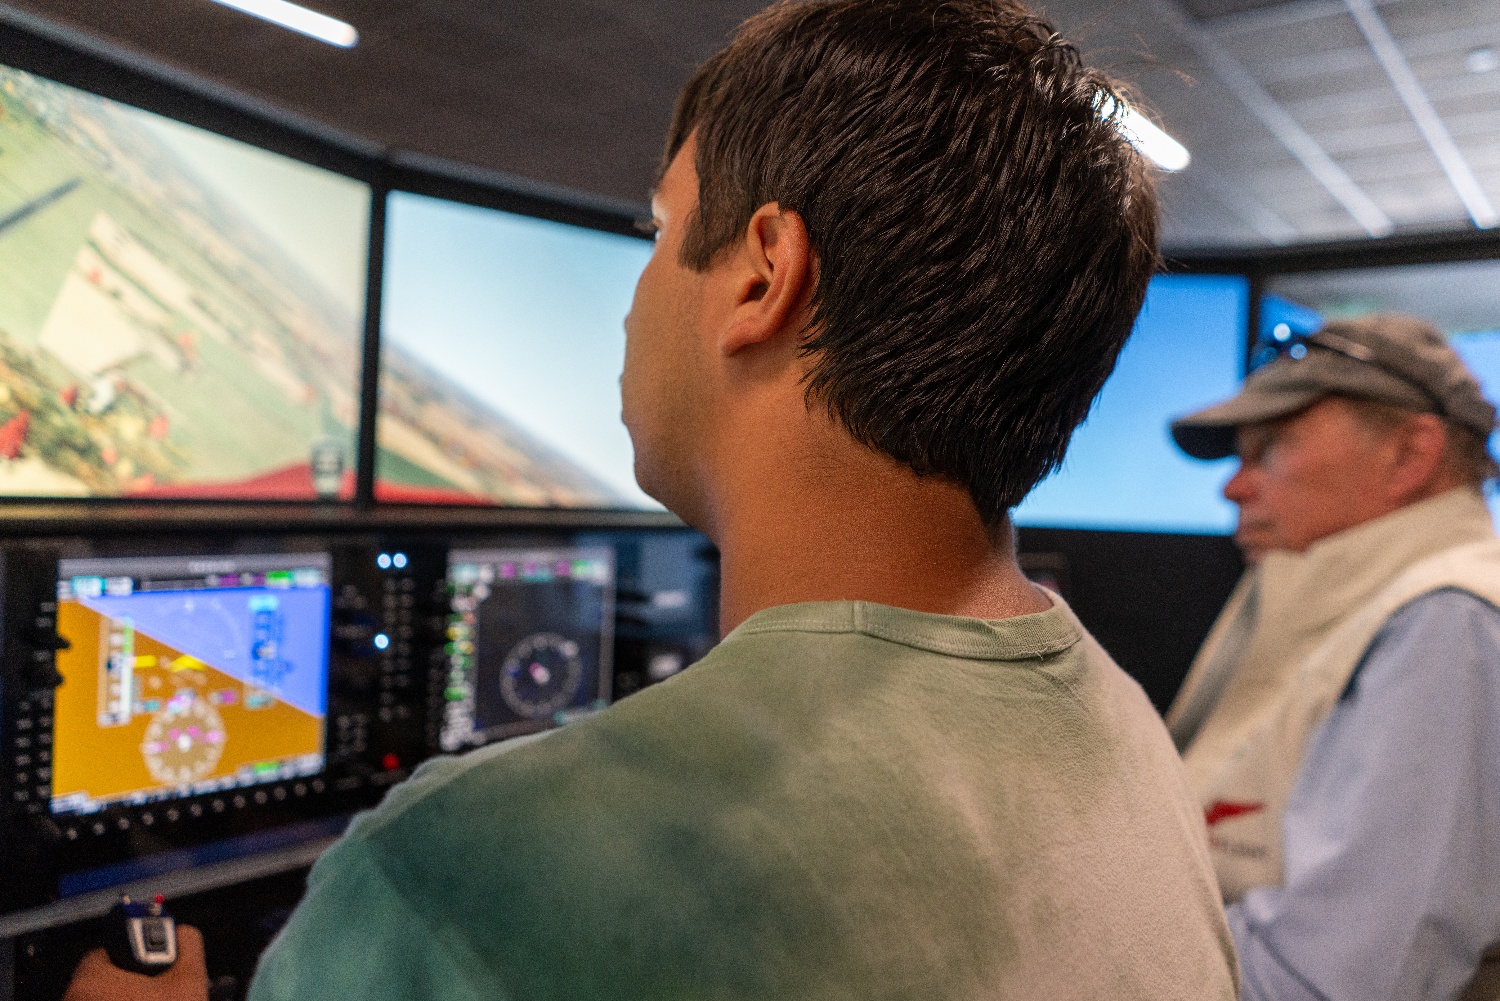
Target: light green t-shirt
x,y
842,800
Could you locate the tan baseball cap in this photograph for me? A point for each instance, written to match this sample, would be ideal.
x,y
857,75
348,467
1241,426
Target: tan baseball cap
x,y
1384,357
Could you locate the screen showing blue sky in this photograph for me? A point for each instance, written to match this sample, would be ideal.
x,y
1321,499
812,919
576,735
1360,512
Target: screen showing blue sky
x,y
526,316
1123,472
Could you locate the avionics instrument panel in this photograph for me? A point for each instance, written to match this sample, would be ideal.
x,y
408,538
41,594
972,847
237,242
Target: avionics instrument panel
x,y
186,676
166,704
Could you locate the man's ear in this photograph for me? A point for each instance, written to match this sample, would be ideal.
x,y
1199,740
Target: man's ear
x,y
1421,448
775,273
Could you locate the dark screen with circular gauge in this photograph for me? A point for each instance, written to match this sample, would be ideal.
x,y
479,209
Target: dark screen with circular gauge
x,y
541,675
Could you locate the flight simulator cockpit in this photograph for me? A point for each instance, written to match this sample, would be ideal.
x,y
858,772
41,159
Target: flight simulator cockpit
x,y
311,469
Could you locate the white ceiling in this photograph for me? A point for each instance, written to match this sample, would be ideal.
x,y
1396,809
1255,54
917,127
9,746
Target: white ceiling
x,y
1297,129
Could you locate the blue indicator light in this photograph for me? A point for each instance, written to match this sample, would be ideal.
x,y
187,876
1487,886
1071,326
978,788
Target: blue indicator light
x,y
383,561
398,561
382,641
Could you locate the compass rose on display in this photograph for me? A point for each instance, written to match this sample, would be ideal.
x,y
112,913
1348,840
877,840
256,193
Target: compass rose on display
x,y
183,741
541,675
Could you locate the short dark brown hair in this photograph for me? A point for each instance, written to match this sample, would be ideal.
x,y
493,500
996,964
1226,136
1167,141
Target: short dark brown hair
x,y
984,234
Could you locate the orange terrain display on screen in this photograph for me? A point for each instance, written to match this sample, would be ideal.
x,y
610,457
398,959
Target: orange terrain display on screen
x,y
138,720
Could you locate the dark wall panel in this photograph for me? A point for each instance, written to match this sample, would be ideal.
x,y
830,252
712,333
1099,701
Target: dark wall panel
x,y
1149,599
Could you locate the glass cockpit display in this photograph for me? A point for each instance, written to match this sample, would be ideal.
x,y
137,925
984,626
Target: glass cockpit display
x,y
529,641
181,314
188,675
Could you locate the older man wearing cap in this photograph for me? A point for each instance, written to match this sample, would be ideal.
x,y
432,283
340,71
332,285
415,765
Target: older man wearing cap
x,y
1342,721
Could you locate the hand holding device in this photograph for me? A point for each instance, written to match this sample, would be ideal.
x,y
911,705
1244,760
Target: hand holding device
x,y
97,979
142,938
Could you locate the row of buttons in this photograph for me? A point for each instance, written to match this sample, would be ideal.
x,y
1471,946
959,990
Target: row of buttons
x,y
31,752
351,734
173,814
395,661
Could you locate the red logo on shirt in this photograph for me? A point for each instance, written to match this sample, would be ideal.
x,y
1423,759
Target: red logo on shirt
x,y
1223,810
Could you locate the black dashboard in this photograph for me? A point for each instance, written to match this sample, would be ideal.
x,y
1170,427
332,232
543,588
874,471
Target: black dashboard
x,y
190,710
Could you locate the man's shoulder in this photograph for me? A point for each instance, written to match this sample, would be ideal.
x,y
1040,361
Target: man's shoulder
x,y
744,713
659,753
1451,613
1440,636
695,749
1449,601
551,764
719,824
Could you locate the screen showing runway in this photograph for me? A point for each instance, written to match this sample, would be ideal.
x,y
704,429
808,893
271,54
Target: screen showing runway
x,y
187,675
181,314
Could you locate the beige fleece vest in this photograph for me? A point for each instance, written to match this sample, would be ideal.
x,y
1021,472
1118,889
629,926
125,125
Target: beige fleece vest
x,y
1285,647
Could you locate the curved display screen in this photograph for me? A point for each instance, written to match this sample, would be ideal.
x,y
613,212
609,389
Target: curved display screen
x,y
180,313
502,347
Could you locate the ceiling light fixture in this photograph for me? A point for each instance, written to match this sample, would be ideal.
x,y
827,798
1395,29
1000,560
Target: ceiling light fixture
x,y
299,19
1485,60
1149,140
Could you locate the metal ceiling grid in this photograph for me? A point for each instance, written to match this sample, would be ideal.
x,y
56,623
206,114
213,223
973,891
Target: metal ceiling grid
x,y
1344,117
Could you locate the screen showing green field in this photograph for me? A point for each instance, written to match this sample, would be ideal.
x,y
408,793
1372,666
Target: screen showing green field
x,y
180,313
188,675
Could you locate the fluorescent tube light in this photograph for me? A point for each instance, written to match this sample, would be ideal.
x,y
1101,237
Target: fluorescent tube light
x,y
1150,141
300,19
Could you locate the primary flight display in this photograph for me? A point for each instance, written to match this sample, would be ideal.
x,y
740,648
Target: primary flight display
x,y
180,313
188,675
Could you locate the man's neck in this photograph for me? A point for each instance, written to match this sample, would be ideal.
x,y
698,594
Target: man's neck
x,y
866,531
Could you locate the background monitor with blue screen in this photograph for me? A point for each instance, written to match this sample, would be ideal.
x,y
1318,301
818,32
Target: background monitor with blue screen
x,y
1122,471
502,348
1462,299
181,314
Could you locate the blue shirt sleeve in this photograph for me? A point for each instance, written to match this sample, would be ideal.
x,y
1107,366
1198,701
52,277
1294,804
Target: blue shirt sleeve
x,y
1392,830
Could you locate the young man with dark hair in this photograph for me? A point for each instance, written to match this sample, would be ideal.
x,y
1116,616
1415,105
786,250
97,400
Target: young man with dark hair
x,y
900,244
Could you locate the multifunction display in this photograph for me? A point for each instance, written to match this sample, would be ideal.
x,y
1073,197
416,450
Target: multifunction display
x,y
188,675
528,641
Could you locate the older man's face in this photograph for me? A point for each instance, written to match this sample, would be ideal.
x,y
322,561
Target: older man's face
x,y
1308,476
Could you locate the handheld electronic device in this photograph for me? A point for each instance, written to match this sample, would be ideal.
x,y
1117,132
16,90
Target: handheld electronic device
x,y
142,937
